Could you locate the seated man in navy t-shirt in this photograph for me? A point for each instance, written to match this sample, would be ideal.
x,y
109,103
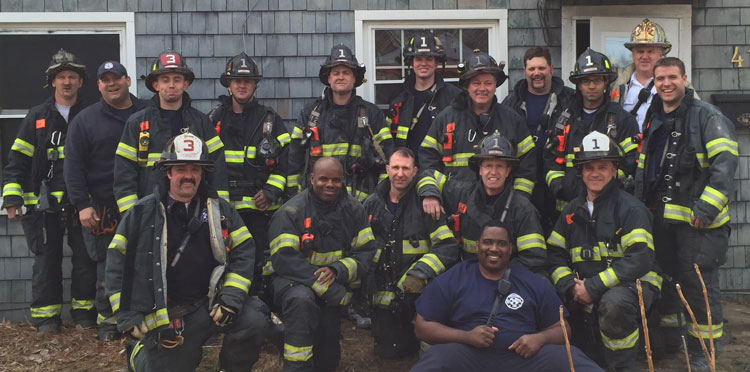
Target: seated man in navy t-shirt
x,y
454,309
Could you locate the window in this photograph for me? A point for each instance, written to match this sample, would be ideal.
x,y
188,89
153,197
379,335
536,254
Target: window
x,y
380,37
607,28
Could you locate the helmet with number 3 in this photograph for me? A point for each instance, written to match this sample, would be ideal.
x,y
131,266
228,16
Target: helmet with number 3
x,y
424,43
185,148
341,55
168,61
597,146
494,146
591,62
240,66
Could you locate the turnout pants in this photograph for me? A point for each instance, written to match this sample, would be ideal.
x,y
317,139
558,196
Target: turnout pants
x,y
393,330
96,246
619,318
44,233
241,348
311,329
257,223
678,247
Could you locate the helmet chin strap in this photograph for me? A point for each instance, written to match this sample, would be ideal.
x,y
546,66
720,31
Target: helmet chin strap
x,y
237,100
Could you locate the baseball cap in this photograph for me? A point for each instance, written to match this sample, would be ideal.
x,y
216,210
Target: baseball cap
x,y
113,67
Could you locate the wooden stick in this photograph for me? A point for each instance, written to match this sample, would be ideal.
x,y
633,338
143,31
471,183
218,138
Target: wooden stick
x,y
567,342
712,361
695,325
644,321
684,350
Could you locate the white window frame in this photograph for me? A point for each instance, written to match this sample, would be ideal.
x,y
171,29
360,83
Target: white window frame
x,y
572,13
367,21
121,23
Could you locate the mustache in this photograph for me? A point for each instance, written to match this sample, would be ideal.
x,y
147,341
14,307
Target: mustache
x,y
187,180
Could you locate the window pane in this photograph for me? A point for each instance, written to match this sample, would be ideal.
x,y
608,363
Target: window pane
x,y
385,93
475,39
388,54
451,42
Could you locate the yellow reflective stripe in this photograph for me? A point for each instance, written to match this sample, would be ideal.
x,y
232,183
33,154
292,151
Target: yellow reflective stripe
x,y
156,319
628,145
297,353
223,194
127,152
77,304
248,202
101,319
284,240
292,180
214,144
136,349
268,268
382,135
284,139
460,160
119,242
153,157
552,175
556,239
58,195
679,213
718,330
60,152
234,156
325,258
440,178
239,236
672,320
347,298
363,237
402,132
575,254
400,283
29,198
653,278
319,288
297,133
422,248
627,342
609,278
433,262
523,184
560,205
114,300
720,145
525,146
250,152
424,181
381,177
46,311
440,234
126,202
641,160
569,160
620,174
469,246
637,236
23,147
340,149
351,267
702,160
383,298
237,281
12,189
276,181
714,197
359,195
376,258
431,143
533,240
560,273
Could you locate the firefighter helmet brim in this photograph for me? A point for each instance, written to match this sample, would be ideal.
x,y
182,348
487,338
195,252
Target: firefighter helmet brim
x,y
240,66
494,146
341,55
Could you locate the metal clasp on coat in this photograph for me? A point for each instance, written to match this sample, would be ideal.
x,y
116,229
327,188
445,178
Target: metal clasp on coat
x,y
471,137
666,199
676,134
670,155
668,177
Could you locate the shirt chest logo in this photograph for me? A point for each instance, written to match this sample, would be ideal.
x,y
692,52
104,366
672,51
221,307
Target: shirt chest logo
x,y
514,301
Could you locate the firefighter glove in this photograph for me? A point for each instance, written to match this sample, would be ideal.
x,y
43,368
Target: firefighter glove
x,y
139,330
412,284
223,315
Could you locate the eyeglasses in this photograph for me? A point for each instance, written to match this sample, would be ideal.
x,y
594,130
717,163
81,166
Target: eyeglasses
x,y
595,81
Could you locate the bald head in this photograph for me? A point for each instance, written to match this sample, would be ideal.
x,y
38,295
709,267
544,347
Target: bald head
x,y
326,179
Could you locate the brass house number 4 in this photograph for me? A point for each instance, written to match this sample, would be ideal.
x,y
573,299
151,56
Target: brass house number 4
x,y
737,57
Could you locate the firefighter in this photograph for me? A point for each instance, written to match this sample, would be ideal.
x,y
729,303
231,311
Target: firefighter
x,y
34,178
321,242
179,269
470,206
412,249
146,133
634,88
255,149
472,115
591,110
423,94
343,125
541,97
89,173
686,175
600,245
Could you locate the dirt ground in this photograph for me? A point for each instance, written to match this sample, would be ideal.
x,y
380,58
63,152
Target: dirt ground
x,y
77,350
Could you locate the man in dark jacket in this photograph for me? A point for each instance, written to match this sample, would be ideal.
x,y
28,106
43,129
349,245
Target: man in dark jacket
x,y
321,242
89,173
255,149
146,133
34,178
412,249
179,270
591,110
424,93
606,235
540,98
343,125
686,176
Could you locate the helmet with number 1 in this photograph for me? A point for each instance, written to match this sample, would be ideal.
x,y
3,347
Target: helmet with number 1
x,y
185,148
480,63
168,61
62,61
341,55
240,66
424,43
591,62
648,33
597,146
494,146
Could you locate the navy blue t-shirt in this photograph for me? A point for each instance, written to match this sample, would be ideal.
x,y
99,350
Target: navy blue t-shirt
x,y
534,107
462,298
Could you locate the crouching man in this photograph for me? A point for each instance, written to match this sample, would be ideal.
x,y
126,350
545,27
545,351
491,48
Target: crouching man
x,y
179,269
